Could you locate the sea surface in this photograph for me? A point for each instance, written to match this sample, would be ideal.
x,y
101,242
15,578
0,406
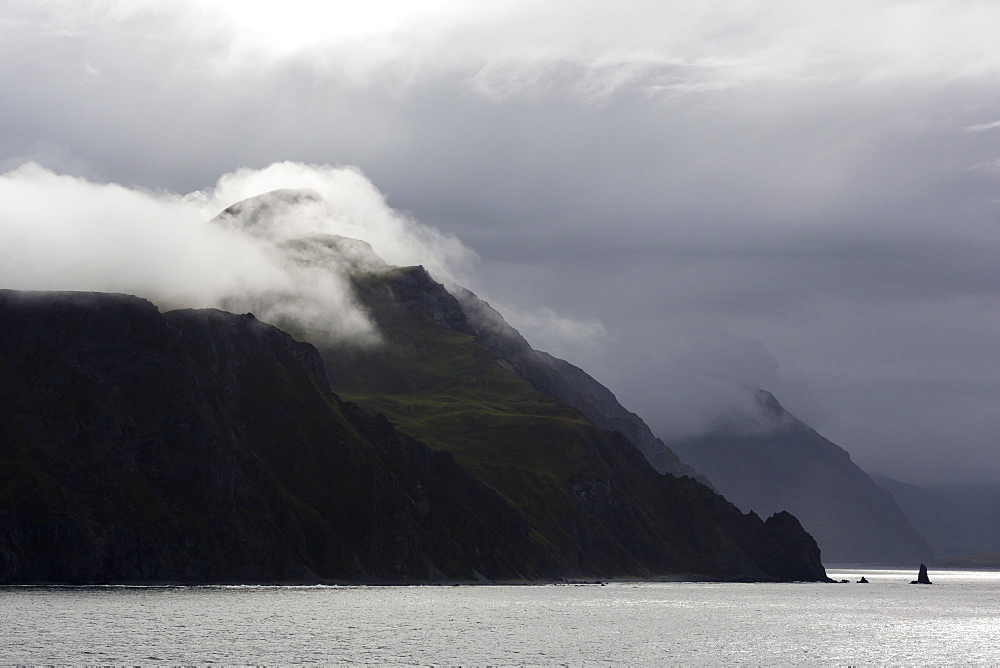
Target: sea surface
x,y
955,621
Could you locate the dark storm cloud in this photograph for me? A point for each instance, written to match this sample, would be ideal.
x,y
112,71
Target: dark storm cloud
x,y
682,201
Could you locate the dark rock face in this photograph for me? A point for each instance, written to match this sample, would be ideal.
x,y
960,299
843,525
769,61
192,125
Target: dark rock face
x,y
780,545
922,578
789,466
201,446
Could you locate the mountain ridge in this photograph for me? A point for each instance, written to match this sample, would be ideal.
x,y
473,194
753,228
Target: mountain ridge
x,y
437,381
203,446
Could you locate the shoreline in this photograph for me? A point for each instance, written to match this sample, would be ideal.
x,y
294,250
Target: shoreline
x,y
332,584
575,582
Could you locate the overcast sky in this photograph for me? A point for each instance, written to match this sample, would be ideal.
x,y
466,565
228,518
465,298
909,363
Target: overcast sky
x,y
681,197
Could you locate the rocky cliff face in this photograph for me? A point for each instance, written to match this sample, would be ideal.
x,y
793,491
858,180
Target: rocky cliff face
x,y
786,465
202,446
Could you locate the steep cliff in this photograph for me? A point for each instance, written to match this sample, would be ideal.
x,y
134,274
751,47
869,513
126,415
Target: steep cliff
x,y
201,446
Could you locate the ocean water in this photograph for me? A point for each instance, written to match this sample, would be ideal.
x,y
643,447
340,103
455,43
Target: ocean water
x,y
956,621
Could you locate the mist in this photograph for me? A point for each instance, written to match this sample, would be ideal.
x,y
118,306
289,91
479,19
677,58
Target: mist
x,y
60,232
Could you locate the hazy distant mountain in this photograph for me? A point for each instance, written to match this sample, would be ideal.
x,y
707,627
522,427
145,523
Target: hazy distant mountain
x,y
956,520
979,560
783,464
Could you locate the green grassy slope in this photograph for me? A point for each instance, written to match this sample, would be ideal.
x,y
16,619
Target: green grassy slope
x,y
444,389
590,497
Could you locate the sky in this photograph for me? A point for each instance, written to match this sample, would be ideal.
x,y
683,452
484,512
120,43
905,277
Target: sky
x,y
686,198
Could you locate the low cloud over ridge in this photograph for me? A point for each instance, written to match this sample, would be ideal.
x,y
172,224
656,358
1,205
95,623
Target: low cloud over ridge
x,y
60,232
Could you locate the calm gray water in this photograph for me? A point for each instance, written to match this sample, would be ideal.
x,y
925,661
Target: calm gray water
x,y
955,621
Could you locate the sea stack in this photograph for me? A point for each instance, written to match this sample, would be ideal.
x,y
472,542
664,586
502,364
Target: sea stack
x,y
922,578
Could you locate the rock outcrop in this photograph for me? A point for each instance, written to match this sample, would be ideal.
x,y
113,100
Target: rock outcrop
x,y
922,578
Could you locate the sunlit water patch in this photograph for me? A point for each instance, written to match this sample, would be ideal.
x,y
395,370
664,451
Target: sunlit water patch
x,y
889,621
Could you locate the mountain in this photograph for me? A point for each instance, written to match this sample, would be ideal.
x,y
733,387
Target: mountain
x,y
956,520
453,375
783,464
202,446
356,260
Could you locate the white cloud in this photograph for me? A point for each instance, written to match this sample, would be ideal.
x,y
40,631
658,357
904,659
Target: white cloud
x,y
352,207
61,232
561,336
981,127
677,47
516,48
299,24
